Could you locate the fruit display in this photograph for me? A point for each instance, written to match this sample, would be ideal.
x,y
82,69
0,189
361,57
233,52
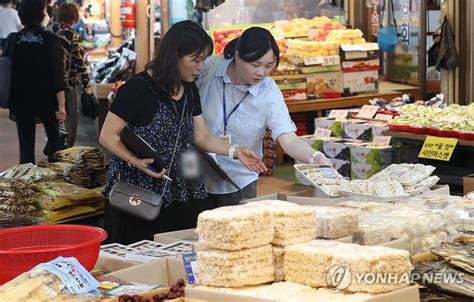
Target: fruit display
x,y
222,37
346,36
454,120
298,49
317,28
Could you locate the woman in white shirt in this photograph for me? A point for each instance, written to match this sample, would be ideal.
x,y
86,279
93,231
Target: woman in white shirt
x,y
240,101
9,20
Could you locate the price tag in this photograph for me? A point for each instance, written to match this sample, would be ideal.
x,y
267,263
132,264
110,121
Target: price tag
x,y
190,267
329,172
331,60
313,61
438,148
338,113
384,117
368,111
382,141
321,132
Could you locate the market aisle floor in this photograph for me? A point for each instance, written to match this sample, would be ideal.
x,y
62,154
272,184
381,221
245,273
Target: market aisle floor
x,y
87,135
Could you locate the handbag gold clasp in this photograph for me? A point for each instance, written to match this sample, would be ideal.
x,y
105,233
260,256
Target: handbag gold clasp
x,y
134,200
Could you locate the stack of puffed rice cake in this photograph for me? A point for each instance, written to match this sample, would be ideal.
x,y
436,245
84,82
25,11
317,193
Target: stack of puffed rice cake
x,y
309,263
238,241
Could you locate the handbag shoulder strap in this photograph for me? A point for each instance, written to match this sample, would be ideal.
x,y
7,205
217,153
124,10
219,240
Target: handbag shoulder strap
x,y
393,15
175,148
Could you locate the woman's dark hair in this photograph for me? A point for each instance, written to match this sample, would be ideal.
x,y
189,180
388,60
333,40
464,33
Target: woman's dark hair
x,y
253,44
5,2
182,39
32,12
67,13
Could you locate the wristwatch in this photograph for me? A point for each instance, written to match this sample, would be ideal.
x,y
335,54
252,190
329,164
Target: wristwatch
x,y
232,150
312,158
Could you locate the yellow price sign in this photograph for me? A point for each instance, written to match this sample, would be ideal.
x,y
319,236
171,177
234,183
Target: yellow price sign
x,y
438,148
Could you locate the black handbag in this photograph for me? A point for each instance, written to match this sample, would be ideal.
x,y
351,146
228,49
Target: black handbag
x,y
6,70
90,106
137,201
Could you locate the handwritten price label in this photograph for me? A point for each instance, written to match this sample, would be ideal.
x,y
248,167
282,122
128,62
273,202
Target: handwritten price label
x,y
368,111
313,61
382,141
331,60
438,148
384,117
321,132
338,113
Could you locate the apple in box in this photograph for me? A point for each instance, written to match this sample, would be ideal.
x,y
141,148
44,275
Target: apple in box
x,y
372,155
364,171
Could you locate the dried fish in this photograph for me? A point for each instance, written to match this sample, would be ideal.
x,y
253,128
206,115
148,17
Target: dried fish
x,y
460,255
460,283
29,172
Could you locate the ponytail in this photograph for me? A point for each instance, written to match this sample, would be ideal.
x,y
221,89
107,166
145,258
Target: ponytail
x,y
230,48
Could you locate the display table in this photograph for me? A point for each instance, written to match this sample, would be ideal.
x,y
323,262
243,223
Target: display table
x,y
407,146
103,91
387,90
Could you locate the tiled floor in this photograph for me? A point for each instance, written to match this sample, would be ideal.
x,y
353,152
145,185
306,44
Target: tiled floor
x,y
9,150
87,135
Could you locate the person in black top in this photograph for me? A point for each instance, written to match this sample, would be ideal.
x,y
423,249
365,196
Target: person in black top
x,y
37,87
162,105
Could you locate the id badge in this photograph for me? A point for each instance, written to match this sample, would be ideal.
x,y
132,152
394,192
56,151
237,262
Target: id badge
x,y
226,137
190,165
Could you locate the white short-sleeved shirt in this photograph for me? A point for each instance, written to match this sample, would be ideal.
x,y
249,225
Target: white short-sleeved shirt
x,y
9,22
264,107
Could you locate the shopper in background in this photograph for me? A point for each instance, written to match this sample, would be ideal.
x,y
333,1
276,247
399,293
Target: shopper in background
x,y
37,88
9,21
75,64
50,9
240,101
154,104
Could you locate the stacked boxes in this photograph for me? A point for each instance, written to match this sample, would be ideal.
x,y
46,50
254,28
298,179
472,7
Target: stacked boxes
x,y
293,87
319,83
360,67
364,171
335,125
309,263
358,129
366,153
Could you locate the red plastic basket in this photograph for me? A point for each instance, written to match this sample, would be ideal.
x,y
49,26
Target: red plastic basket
x,y
22,248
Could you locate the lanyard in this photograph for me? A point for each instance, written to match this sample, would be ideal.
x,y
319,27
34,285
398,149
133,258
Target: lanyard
x,y
226,117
